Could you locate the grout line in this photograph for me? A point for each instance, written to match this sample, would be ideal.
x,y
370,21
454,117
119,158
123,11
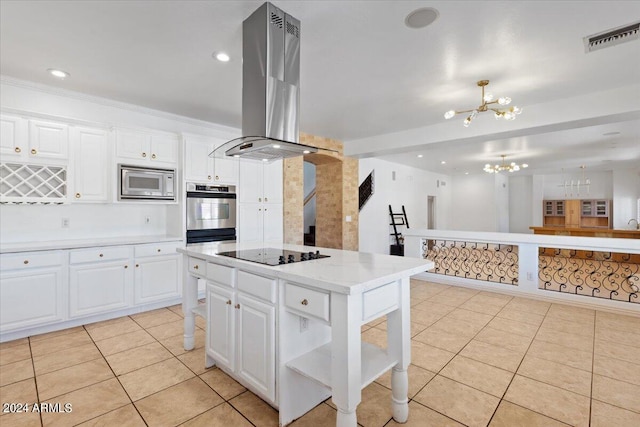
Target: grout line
x,y
517,368
117,378
35,381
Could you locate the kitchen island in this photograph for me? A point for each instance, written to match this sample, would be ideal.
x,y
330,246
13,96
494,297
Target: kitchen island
x,y
291,333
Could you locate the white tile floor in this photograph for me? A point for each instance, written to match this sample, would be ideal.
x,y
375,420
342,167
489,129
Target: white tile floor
x,y
478,359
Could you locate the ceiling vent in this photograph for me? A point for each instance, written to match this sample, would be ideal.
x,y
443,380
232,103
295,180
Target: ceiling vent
x,y
612,37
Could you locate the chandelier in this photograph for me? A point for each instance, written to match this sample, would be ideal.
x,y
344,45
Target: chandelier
x,y
487,100
504,167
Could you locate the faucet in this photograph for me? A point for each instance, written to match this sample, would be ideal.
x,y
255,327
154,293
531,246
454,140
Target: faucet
x,y
637,224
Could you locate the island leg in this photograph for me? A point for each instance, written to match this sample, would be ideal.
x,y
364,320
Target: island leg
x,y
399,346
346,359
189,302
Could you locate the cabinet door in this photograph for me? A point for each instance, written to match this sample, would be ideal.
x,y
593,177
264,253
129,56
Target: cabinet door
x,y
256,344
198,165
251,182
133,145
559,207
99,287
586,208
273,182
273,230
549,208
91,174
601,208
250,222
220,338
13,137
225,170
48,140
572,216
31,297
164,149
156,279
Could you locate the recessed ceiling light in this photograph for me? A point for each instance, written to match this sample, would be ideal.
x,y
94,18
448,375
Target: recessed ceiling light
x,y
466,173
221,56
265,160
236,155
419,156
306,152
421,18
58,73
443,162
276,145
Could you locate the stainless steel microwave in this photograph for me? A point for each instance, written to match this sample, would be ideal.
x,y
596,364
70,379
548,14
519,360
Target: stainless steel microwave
x,y
135,182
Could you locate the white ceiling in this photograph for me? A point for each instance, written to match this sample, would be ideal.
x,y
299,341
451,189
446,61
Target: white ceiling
x,y
363,72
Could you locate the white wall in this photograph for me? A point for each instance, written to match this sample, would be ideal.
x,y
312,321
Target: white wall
x,y
35,222
20,223
601,186
473,205
521,202
501,198
626,192
410,188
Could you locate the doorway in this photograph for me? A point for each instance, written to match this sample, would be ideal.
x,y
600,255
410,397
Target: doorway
x,y
431,212
309,204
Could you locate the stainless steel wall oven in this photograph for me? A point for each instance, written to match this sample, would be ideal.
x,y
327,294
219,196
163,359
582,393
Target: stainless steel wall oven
x,y
211,213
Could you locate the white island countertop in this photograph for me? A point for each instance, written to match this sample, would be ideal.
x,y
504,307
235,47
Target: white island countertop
x,y
346,272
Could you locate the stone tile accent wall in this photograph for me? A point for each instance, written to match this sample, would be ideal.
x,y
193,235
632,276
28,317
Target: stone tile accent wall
x,y
336,196
329,205
293,199
350,203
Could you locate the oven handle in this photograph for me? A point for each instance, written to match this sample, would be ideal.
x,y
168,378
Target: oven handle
x,y
201,195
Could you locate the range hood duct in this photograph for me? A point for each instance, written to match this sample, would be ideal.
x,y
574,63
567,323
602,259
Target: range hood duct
x,y
270,88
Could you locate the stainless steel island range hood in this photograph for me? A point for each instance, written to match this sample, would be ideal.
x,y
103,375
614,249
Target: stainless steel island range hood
x,y
270,87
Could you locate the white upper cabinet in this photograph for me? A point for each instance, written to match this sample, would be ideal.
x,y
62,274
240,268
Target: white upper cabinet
x,y
260,214
260,182
48,140
144,148
91,171
13,137
33,141
199,167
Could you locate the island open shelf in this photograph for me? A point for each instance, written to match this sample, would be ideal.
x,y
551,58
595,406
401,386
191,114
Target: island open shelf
x,y
316,364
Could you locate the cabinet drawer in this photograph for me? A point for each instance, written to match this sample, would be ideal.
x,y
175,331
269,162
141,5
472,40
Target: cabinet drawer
x,y
197,267
154,249
379,301
220,274
307,301
30,260
99,254
261,287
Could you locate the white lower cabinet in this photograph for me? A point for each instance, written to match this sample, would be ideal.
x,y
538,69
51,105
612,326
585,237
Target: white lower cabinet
x,y
100,280
42,288
256,344
241,335
260,222
220,340
157,275
32,289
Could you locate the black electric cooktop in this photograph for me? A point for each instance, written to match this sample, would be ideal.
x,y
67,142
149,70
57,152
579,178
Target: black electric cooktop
x,y
273,256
